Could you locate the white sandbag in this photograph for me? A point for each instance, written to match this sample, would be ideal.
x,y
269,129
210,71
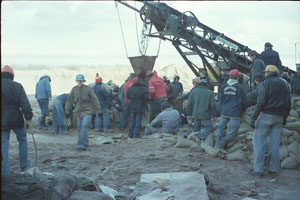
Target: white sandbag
x,y
182,142
293,125
236,155
235,147
286,132
283,152
292,119
283,140
289,163
293,148
294,113
244,128
210,140
209,150
246,118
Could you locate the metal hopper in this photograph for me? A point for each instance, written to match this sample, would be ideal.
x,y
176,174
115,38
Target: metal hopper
x,y
142,64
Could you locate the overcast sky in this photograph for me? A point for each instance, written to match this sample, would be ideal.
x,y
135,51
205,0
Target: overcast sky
x,y
88,33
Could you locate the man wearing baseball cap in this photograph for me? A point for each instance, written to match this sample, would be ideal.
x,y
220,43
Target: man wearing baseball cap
x,y
271,57
272,108
233,101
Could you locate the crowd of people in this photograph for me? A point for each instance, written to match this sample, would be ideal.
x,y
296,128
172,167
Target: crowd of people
x,y
148,93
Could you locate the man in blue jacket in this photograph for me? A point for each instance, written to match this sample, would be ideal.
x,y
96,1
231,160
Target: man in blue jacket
x,y
233,102
103,97
272,108
271,57
15,107
43,95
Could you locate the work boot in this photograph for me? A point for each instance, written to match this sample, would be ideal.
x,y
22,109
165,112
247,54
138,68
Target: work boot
x,y
255,174
42,123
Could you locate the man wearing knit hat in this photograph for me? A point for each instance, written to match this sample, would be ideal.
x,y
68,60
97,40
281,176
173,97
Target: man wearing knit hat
x,y
271,112
233,101
43,95
103,97
15,107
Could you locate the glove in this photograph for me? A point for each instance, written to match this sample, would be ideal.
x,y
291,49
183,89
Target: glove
x,y
252,122
284,121
28,124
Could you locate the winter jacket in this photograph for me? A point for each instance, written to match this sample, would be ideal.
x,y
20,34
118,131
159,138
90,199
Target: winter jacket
x,y
157,87
138,96
171,94
85,100
273,97
14,103
179,88
102,94
295,84
167,121
128,84
271,57
43,88
201,103
233,99
257,67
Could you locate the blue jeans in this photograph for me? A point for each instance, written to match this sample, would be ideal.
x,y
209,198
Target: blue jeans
x,y
268,126
44,105
116,114
58,117
83,127
197,125
104,118
125,116
135,125
221,138
23,149
207,128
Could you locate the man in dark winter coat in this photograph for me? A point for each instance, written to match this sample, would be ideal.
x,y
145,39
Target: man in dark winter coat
x,y
295,82
15,107
138,96
271,57
171,91
233,101
257,67
202,106
43,95
103,97
178,85
271,112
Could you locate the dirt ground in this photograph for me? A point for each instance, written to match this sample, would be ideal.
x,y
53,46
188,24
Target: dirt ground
x,y
129,159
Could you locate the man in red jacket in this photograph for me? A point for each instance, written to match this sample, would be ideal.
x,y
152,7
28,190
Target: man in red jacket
x,y
158,93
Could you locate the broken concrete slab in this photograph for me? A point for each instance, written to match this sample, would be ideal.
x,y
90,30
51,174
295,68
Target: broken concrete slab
x,y
185,185
91,195
103,140
285,195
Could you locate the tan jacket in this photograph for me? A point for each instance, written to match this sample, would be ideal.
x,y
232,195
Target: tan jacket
x,y
85,100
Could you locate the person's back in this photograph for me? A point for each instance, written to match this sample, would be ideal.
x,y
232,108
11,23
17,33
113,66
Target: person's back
x,y
233,99
159,87
295,82
101,94
271,57
169,120
43,88
138,96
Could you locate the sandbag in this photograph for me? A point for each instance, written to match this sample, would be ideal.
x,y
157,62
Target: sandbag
x,y
283,152
286,132
291,119
244,128
235,147
210,140
293,126
293,147
237,155
294,113
182,142
289,163
209,150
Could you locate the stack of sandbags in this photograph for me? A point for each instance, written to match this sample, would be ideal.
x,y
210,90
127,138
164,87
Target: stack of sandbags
x,y
241,147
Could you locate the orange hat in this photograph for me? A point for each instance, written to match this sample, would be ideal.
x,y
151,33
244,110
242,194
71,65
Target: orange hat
x,y
98,78
8,69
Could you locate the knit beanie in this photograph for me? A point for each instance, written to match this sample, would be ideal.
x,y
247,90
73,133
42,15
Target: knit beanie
x,y
98,78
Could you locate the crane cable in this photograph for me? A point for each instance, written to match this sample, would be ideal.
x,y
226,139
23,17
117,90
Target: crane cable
x,y
122,31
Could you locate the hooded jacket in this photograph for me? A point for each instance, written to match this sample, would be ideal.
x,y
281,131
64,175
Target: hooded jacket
x,y
43,88
157,87
85,100
201,103
233,99
138,97
14,103
270,100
